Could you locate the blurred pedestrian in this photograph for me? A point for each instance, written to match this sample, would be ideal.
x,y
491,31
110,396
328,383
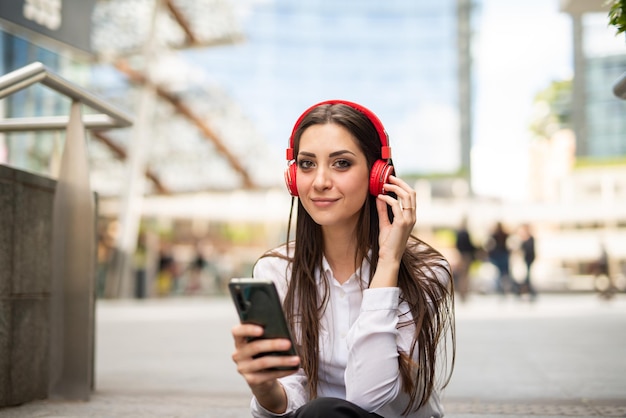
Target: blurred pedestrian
x,y
195,272
603,281
167,273
499,254
528,251
140,267
466,256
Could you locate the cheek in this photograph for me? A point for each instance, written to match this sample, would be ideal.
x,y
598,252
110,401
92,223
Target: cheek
x,y
358,186
363,192
360,182
302,182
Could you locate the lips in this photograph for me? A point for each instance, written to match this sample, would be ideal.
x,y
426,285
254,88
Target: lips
x,y
323,203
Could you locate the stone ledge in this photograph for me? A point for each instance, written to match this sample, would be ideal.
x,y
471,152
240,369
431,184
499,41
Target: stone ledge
x,y
26,202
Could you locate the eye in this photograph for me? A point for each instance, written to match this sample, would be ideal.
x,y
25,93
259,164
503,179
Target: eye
x,y
342,164
305,164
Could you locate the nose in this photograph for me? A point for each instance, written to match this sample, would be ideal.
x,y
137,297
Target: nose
x,y
322,180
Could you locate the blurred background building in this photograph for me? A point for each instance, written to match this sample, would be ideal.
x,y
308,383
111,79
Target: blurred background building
x,y
496,110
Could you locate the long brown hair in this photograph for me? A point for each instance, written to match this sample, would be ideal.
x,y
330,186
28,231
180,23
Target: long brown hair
x,y
429,296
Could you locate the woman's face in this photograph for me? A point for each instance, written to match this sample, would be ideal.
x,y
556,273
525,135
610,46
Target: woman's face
x,y
333,177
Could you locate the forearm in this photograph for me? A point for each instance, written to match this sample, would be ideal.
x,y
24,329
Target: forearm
x,y
272,398
386,274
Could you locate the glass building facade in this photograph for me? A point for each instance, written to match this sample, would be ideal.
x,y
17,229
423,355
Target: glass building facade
x,y
600,59
606,114
395,57
28,150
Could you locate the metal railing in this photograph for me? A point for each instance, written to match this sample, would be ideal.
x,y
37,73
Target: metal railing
x,y
36,72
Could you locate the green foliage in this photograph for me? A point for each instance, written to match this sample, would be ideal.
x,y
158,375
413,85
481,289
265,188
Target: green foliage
x,y
553,109
600,162
617,15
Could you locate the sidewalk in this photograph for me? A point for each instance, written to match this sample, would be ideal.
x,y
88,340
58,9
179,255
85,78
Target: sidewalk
x,y
562,356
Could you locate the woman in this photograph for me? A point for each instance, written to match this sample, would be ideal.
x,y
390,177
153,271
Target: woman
x,y
369,304
499,255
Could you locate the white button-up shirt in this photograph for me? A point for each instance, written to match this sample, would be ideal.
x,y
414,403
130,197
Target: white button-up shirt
x,y
359,342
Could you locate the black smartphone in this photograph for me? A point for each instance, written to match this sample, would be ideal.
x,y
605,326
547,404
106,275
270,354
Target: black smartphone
x,y
258,303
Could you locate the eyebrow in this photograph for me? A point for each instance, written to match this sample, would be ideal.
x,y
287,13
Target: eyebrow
x,y
332,154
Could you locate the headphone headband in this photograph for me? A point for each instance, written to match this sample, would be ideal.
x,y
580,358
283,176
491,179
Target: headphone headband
x,y
382,134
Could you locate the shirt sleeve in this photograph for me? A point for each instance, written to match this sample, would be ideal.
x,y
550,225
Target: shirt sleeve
x,y
372,374
295,388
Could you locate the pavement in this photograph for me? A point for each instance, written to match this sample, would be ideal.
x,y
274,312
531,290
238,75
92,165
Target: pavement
x,y
563,355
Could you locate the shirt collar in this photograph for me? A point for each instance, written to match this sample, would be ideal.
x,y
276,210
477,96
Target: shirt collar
x,y
363,273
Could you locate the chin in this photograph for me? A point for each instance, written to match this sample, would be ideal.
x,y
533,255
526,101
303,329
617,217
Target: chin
x,y
333,221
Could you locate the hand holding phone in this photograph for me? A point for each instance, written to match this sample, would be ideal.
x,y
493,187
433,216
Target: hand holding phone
x,y
257,302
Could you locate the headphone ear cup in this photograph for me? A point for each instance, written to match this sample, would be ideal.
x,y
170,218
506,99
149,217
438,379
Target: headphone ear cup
x,y
381,170
290,179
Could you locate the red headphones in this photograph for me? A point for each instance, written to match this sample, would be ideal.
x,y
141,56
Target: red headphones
x,y
381,169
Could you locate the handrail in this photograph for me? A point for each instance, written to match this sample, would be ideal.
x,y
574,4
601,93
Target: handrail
x,y
619,88
51,123
37,72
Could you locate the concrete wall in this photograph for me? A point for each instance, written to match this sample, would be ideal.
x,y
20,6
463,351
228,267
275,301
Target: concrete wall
x,y
26,202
